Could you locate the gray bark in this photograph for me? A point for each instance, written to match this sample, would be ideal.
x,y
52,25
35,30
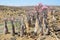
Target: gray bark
x,y
6,28
13,28
45,27
22,26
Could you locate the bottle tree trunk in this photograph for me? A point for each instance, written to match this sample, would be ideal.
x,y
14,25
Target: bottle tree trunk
x,y
38,26
6,28
22,26
22,31
13,28
45,28
26,23
18,26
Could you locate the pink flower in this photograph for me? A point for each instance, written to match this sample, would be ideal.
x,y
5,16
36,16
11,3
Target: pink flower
x,y
44,7
12,18
5,18
40,5
36,8
40,10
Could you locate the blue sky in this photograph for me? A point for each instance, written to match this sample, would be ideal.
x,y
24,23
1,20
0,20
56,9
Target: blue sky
x,y
28,2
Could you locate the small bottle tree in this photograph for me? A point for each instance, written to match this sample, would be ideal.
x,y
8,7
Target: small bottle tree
x,y
27,19
45,12
5,27
17,22
13,28
22,25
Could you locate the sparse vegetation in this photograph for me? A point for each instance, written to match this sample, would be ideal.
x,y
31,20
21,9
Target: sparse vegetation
x,y
31,29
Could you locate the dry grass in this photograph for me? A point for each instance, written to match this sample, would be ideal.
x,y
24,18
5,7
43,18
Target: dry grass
x,y
7,12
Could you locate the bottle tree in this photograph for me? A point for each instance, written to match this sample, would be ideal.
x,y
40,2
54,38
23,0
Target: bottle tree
x,y
27,21
22,25
37,16
5,27
42,9
45,12
13,28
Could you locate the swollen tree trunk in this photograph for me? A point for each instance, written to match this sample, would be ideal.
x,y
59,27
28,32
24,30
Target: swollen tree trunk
x,y
18,26
22,30
26,23
45,28
22,26
13,28
36,26
6,28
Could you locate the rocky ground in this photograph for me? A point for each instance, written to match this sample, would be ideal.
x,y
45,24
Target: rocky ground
x,y
6,11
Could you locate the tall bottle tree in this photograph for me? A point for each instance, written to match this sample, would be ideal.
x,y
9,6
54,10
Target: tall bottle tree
x,y
42,9
37,15
5,27
13,28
